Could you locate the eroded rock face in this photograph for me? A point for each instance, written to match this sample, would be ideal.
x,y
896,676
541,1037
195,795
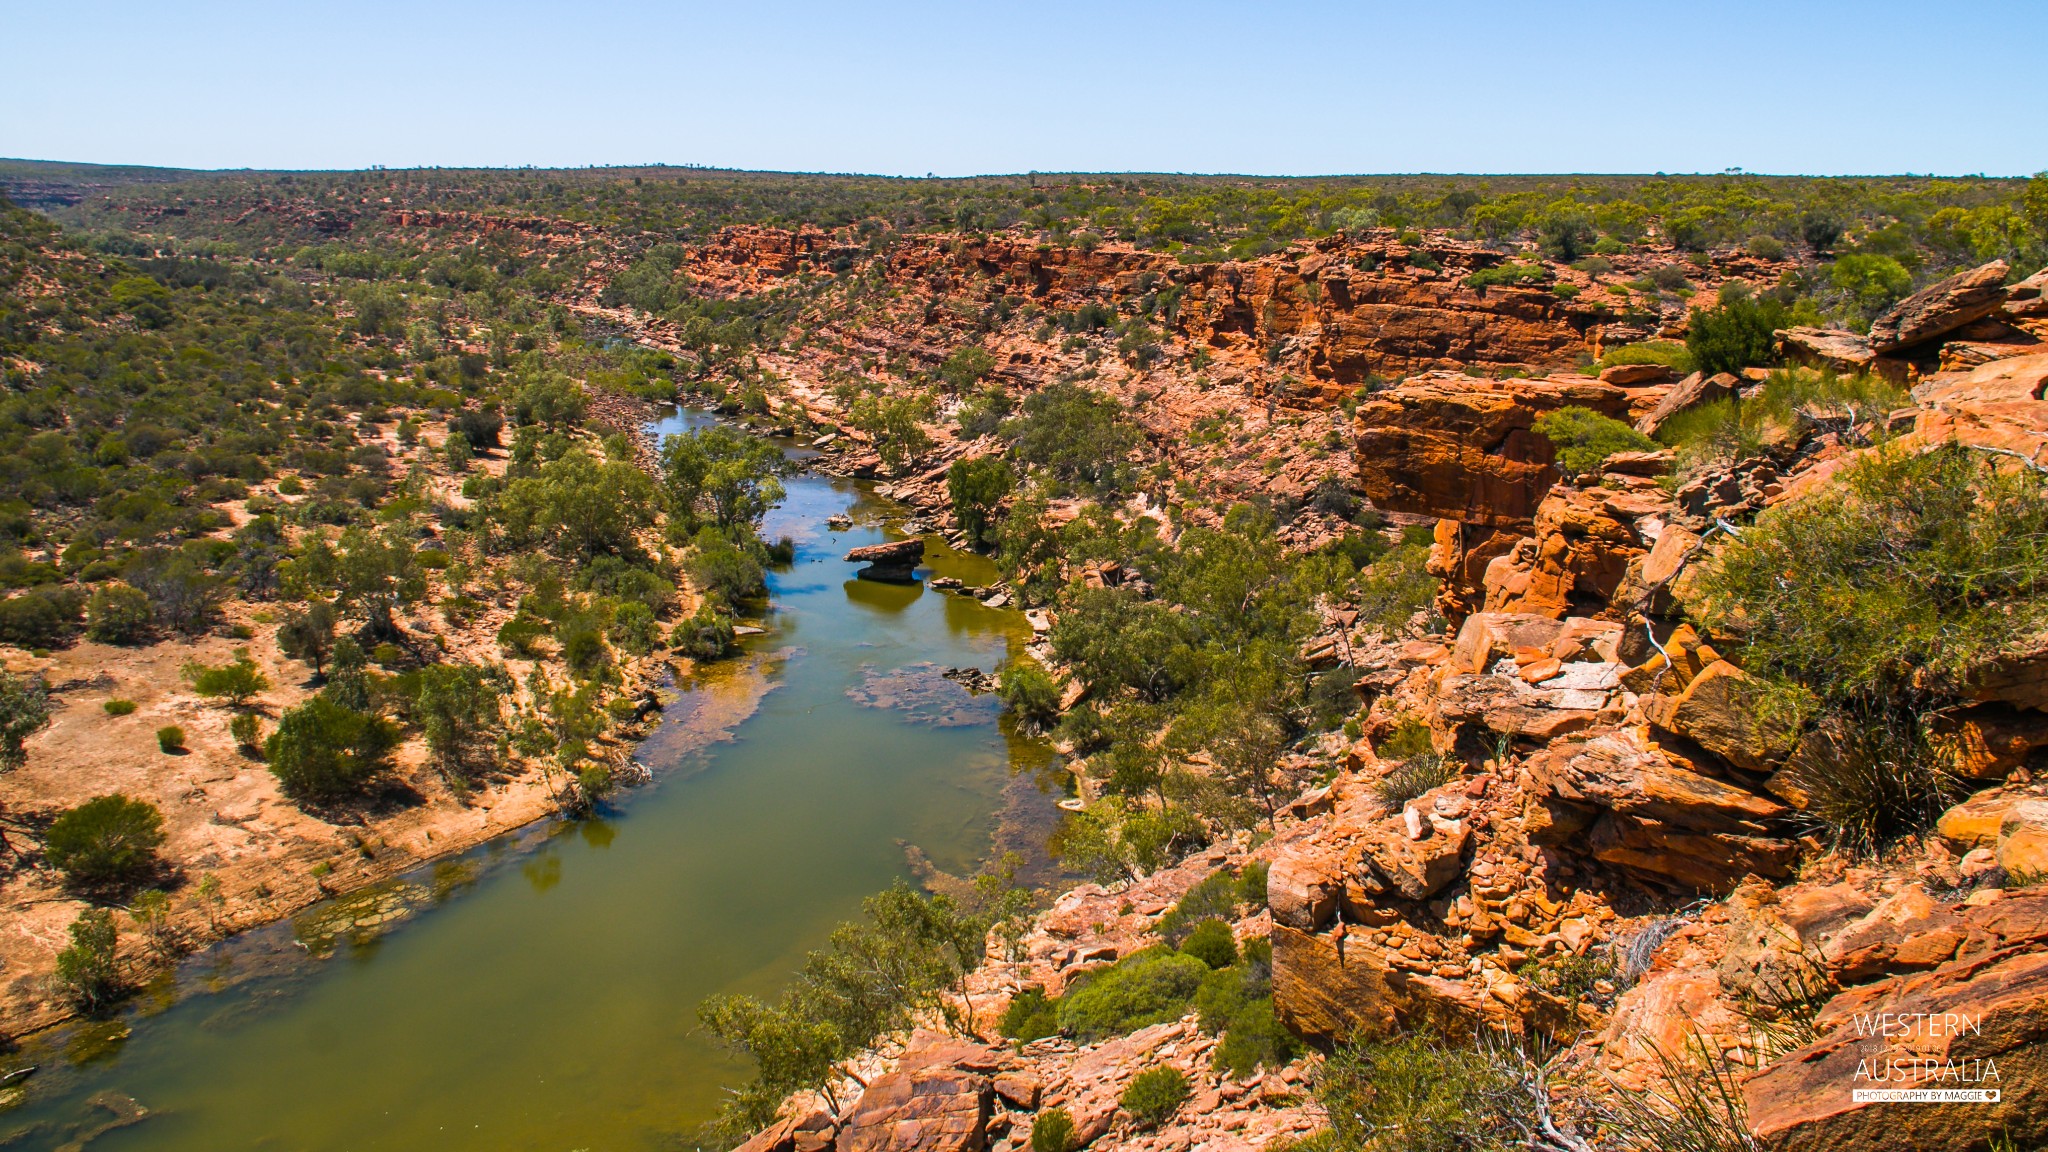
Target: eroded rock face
x,y
937,1108
1634,808
1940,308
1465,449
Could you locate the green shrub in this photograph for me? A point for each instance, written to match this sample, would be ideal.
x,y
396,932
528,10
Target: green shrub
x,y
1237,1003
246,728
41,617
1030,692
89,969
706,635
119,707
322,750
1738,334
1585,439
106,840
1145,988
1865,608
1512,272
1215,898
1765,247
1154,1095
1410,737
1670,354
170,738
1423,1093
977,488
1213,943
1415,776
1053,1131
1030,1016
118,614
1738,429
1251,884
237,681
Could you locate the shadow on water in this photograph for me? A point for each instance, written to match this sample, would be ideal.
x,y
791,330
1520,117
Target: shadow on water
x,y
540,991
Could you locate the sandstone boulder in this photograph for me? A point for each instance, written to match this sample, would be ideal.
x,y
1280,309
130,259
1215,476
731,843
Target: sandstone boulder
x,y
1487,636
1837,351
1632,375
1964,1004
926,1109
1465,449
895,562
1719,711
1635,809
1687,394
1940,308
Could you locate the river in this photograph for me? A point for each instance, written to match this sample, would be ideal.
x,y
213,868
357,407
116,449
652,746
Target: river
x,y
540,992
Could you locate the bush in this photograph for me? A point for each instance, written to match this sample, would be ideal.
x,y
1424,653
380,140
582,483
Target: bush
x,y
1765,247
977,488
1512,272
1251,884
1415,776
1145,988
1029,690
246,728
89,969
706,635
1213,943
1738,429
1867,607
1736,335
118,614
24,711
1238,1003
1668,353
1422,1093
322,750
1154,1095
237,681
1215,898
1030,1016
40,617
119,707
106,840
1053,1131
170,738
1585,439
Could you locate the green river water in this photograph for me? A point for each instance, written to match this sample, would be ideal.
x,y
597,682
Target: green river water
x,y
540,992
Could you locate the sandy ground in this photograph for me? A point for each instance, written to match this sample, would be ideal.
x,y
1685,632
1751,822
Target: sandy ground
x,y
223,813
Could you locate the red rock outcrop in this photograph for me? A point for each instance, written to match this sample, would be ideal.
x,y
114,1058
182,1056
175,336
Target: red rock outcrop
x,y
1463,448
1940,308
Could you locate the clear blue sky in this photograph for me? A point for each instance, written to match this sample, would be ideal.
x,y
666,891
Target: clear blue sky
x,y
1277,87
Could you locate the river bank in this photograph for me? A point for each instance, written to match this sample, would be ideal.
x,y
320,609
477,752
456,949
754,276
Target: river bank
x,y
542,987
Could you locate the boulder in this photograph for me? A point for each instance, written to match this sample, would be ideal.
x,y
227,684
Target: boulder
x,y
1837,351
1487,636
1957,999
1637,809
1718,711
1940,308
925,1109
1304,884
2029,297
1689,393
1465,449
1631,375
1412,866
895,562
1338,986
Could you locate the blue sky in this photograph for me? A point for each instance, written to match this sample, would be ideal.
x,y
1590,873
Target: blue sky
x,y
1289,88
